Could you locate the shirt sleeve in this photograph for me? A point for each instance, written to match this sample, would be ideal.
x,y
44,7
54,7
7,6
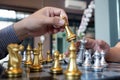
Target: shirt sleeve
x,y
7,36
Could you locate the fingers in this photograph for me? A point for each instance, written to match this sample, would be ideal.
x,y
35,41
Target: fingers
x,y
102,45
90,43
57,12
57,22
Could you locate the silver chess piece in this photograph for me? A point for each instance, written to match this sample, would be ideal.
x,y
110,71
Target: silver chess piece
x,y
80,57
87,63
97,65
102,61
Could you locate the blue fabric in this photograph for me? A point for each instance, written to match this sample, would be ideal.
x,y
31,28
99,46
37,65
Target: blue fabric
x,y
7,36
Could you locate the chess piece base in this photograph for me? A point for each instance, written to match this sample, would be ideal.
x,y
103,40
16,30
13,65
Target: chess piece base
x,y
105,65
13,72
56,70
73,73
27,64
72,78
35,68
86,66
43,62
97,69
49,61
71,37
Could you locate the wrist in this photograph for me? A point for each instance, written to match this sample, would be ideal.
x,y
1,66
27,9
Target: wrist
x,y
20,30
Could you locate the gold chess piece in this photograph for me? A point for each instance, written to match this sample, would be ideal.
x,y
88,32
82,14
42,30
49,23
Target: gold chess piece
x,y
49,59
72,70
70,35
14,63
56,67
60,57
41,59
28,60
36,65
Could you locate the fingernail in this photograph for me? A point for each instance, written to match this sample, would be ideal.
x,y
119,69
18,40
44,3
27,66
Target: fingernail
x,y
61,22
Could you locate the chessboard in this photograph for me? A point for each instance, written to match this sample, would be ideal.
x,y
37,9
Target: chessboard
x,y
80,66
112,72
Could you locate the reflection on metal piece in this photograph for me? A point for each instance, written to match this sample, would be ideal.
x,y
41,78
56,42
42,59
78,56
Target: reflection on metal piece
x,y
14,69
56,67
36,66
72,69
70,35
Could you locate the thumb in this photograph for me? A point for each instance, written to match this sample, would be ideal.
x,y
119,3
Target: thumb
x,y
55,21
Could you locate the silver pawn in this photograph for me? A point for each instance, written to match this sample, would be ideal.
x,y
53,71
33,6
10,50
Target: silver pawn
x,y
80,58
97,66
102,61
87,63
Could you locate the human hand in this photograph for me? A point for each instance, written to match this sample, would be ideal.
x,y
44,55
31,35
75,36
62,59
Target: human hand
x,y
95,45
42,21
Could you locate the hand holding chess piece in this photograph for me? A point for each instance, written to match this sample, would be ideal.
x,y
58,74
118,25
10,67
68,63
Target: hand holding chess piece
x,y
70,35
14,63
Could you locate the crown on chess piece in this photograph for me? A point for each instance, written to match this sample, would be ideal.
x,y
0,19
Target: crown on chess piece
x,y
70,35
36,65
72,70
14,69
28,60
56,67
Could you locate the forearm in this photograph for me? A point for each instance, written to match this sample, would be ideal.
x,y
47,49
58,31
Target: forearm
x,y
20,30
114,54
7,36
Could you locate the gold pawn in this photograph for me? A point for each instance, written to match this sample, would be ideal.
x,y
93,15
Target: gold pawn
x,y
49,59
70,35
40,53
56,67
72,70
36,66
28,56
14,63
60,57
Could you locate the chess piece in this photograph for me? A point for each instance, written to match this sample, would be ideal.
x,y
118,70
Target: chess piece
x,y
102,61
56,66
14,63
87,63
70,35
60,57
28,60
36,65
41,59
97,65
49,59
72,69
80,58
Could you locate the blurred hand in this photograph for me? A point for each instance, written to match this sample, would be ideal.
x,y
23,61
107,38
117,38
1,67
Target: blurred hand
x,y
95,45
45,20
